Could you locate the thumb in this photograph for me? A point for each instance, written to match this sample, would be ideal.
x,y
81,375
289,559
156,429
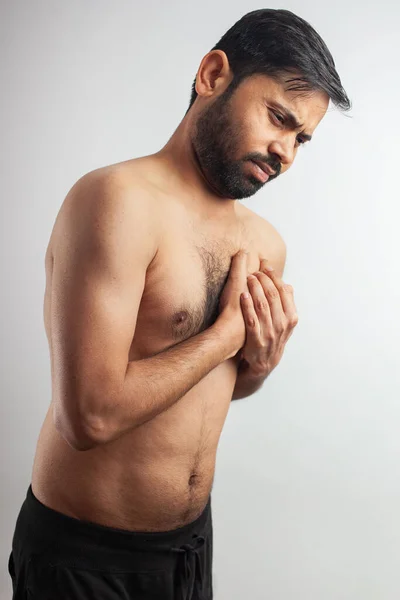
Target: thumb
x,y
238,273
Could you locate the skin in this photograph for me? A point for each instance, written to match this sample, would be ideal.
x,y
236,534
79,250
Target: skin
x,y
159,476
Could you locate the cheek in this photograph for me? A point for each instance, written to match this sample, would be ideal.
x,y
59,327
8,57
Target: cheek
x,y
253,128
261,132
259,135
253,118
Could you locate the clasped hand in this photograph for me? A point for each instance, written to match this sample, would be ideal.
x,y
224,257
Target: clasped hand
x,y
270,316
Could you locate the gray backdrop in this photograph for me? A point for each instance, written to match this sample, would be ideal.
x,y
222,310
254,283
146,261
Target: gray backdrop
x,y
306,495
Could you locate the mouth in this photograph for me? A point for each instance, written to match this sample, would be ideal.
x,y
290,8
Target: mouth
x,y
264,167
259,173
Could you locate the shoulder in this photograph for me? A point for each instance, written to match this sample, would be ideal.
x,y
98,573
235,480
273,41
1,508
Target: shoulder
x,y
117,190
267,238
107,200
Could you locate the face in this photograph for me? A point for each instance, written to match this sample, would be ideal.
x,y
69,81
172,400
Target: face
x,y
260,121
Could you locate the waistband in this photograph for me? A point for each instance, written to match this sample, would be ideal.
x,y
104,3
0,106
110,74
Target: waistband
x,y
47,526
66,540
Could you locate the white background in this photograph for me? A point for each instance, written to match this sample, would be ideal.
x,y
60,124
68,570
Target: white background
x,y
306,499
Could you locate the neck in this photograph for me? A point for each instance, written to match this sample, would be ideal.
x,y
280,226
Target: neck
x,y
184,173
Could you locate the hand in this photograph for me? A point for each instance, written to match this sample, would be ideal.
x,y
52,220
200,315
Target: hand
x,y
270,316
230,319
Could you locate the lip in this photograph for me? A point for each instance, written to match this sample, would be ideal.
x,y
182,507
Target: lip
x,y
266,168
259,173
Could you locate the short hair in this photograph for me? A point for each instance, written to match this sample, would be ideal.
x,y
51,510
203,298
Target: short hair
x,y
275,42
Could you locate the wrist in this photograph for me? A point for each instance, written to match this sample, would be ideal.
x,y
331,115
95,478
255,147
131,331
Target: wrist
x,y
251,372
231,346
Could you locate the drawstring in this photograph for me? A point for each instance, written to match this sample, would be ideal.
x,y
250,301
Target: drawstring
x,y
190,570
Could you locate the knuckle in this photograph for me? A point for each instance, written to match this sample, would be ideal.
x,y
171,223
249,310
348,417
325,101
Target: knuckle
x,y
294,320
286,287
270,337
251,322
261,305
266,281
272,293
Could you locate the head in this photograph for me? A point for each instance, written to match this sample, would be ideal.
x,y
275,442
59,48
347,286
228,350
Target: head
x,y
259,95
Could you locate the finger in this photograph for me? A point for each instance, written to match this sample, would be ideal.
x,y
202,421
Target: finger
x,y
260,303
249,314
238,271
285,290
273,298
265,262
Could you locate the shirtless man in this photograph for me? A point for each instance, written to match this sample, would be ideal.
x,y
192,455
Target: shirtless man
x,y
149,336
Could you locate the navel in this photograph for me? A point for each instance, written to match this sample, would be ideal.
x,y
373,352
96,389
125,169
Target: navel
x,y
192,479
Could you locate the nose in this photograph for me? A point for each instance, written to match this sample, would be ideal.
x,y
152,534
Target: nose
x,y
283,149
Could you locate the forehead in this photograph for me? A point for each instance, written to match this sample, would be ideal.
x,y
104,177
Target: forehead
x,y
309,108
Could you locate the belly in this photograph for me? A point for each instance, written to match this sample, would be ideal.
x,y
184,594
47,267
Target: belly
x,y
156,478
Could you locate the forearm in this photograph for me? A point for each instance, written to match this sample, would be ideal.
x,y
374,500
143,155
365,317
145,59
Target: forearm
x,y
247,381
154,384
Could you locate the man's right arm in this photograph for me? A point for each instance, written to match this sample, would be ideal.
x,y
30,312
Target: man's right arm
x,y
152,385
106,239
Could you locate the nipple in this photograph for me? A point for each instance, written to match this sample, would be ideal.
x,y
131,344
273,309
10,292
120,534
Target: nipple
x,y
180,317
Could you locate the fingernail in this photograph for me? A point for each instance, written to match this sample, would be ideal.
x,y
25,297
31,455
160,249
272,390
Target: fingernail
x,y
268,268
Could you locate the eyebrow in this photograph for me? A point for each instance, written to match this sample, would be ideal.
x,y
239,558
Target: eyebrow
x,y
291,119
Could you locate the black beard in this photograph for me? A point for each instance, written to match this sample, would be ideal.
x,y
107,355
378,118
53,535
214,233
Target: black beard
x,y
215,141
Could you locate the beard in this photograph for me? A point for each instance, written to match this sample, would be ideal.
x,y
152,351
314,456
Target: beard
x,y
215,140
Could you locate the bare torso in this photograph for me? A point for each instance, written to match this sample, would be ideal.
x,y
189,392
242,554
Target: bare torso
x,y
159,476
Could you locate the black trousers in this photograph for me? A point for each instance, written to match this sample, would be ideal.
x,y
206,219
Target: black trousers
x,y
57,557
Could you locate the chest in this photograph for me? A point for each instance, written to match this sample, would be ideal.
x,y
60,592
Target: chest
x,y
184,285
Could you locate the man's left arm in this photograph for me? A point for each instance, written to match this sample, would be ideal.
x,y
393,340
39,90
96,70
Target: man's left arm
x,y
247,381
270,317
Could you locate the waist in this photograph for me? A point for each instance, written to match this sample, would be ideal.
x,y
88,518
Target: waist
x,y
134,483
44,531
157,498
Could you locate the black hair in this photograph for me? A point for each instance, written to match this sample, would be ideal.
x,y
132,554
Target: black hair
x,y
275,42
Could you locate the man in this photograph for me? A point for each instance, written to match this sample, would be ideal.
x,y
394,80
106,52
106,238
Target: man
x,y
151,334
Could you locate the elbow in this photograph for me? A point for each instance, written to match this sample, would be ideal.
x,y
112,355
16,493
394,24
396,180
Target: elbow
x,y
81,434
79,443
